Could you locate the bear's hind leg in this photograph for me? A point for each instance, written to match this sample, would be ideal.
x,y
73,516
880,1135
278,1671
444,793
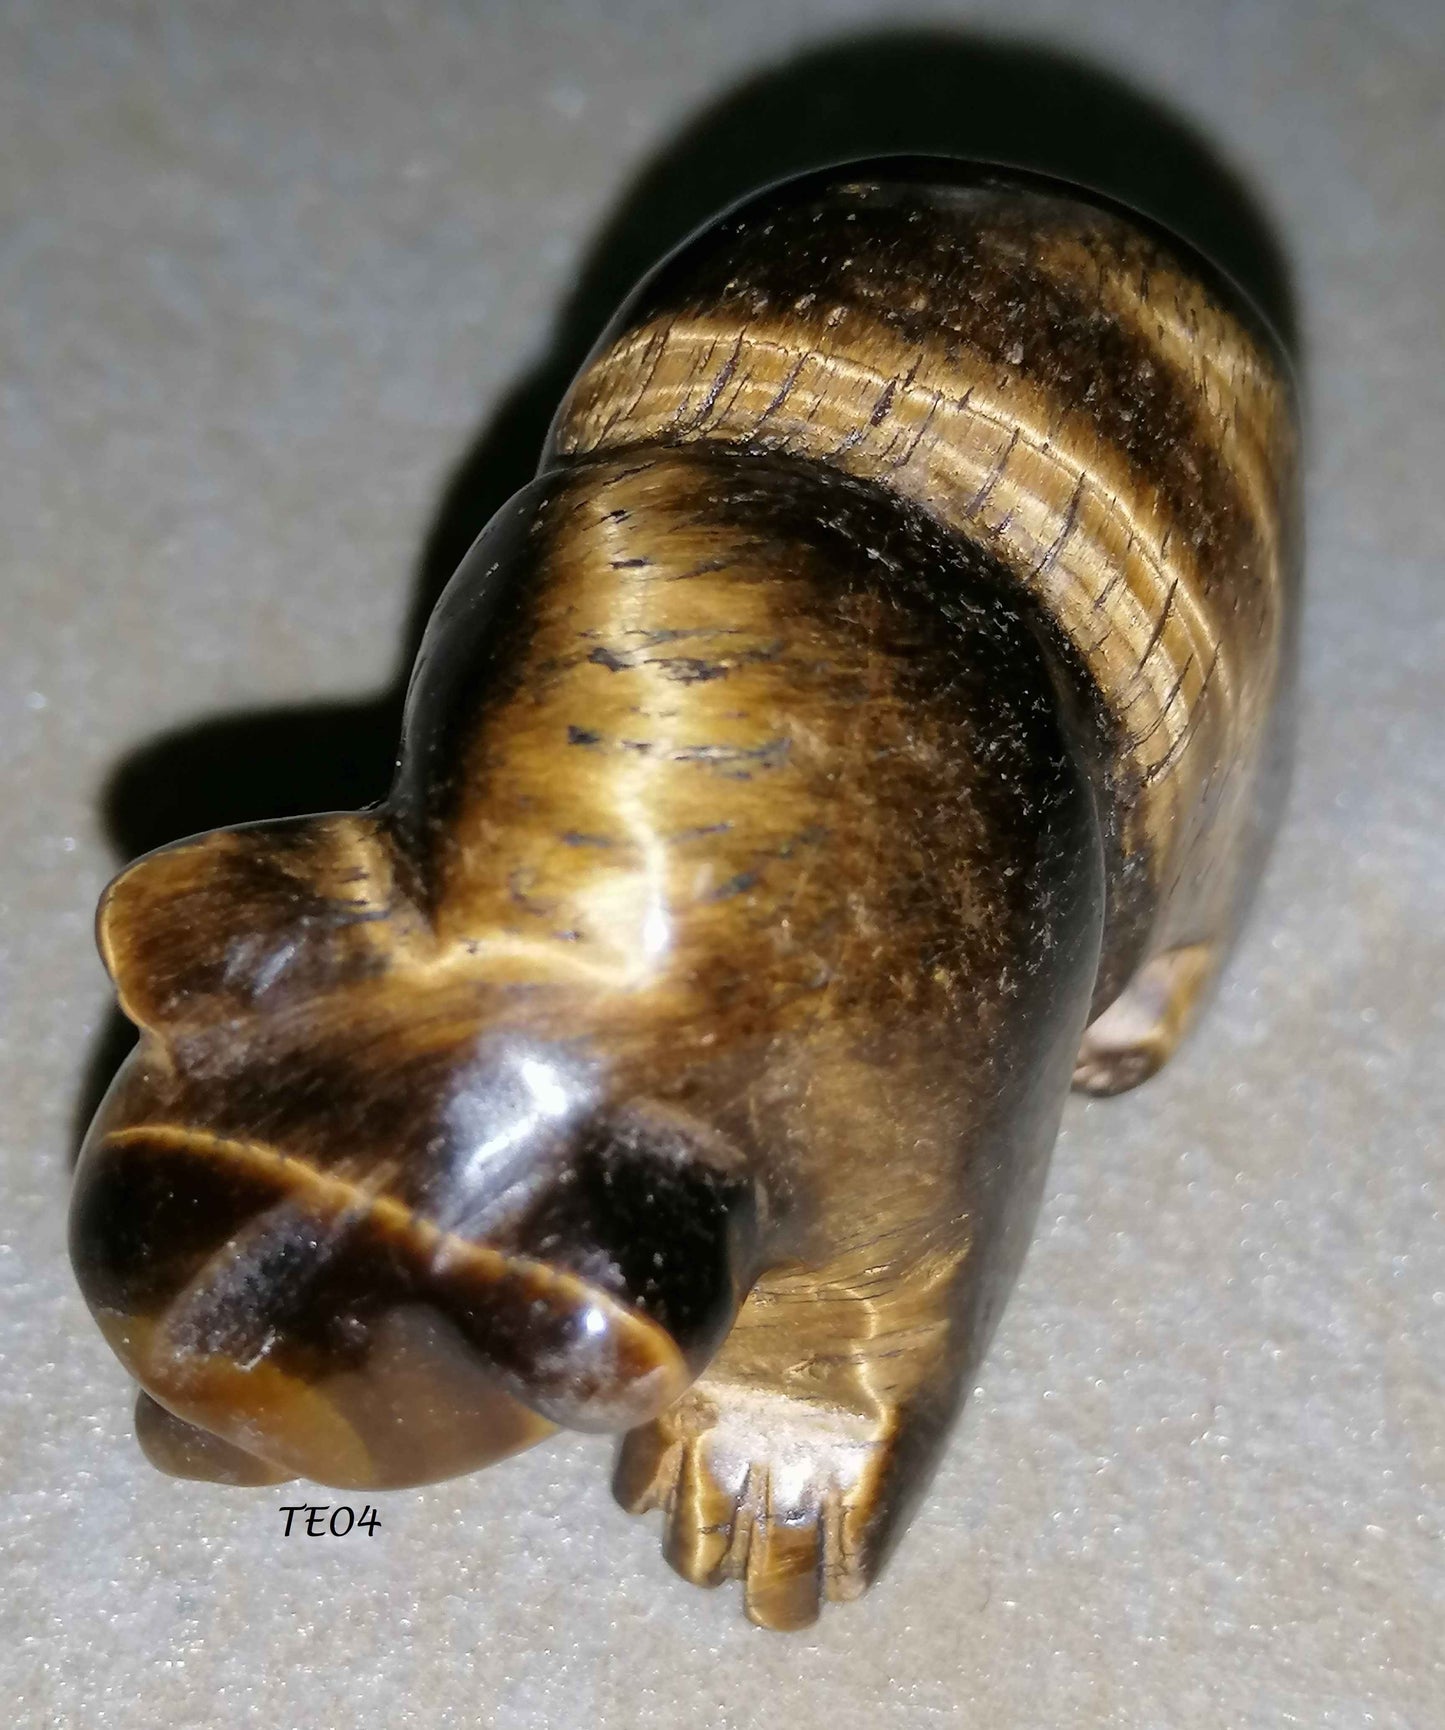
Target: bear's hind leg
x,y
1141,1030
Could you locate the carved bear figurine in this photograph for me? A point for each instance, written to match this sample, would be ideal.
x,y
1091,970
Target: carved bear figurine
x,y
869,720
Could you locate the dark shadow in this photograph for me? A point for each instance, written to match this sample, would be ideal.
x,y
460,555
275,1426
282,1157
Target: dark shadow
x,y
897,90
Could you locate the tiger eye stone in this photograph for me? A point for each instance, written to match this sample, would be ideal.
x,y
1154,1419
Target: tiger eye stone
x,y
869,723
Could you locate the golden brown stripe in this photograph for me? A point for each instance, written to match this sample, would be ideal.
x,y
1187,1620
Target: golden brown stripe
x,y
328,1195
1035,372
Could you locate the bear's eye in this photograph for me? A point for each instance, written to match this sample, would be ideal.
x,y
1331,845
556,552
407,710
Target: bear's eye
x,y
210,928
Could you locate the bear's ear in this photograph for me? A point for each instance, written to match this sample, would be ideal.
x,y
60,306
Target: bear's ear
x,y
207,929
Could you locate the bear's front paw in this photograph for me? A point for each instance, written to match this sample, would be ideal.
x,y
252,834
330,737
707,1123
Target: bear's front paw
x,y
788,1496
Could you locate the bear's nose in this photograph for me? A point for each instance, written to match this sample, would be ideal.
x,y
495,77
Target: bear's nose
x,y
365,1320
336,1335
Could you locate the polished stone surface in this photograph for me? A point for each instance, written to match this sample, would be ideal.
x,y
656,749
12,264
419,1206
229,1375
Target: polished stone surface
x,y
263,283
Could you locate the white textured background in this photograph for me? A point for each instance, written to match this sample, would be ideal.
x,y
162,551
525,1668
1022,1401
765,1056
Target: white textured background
x,y
266,273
